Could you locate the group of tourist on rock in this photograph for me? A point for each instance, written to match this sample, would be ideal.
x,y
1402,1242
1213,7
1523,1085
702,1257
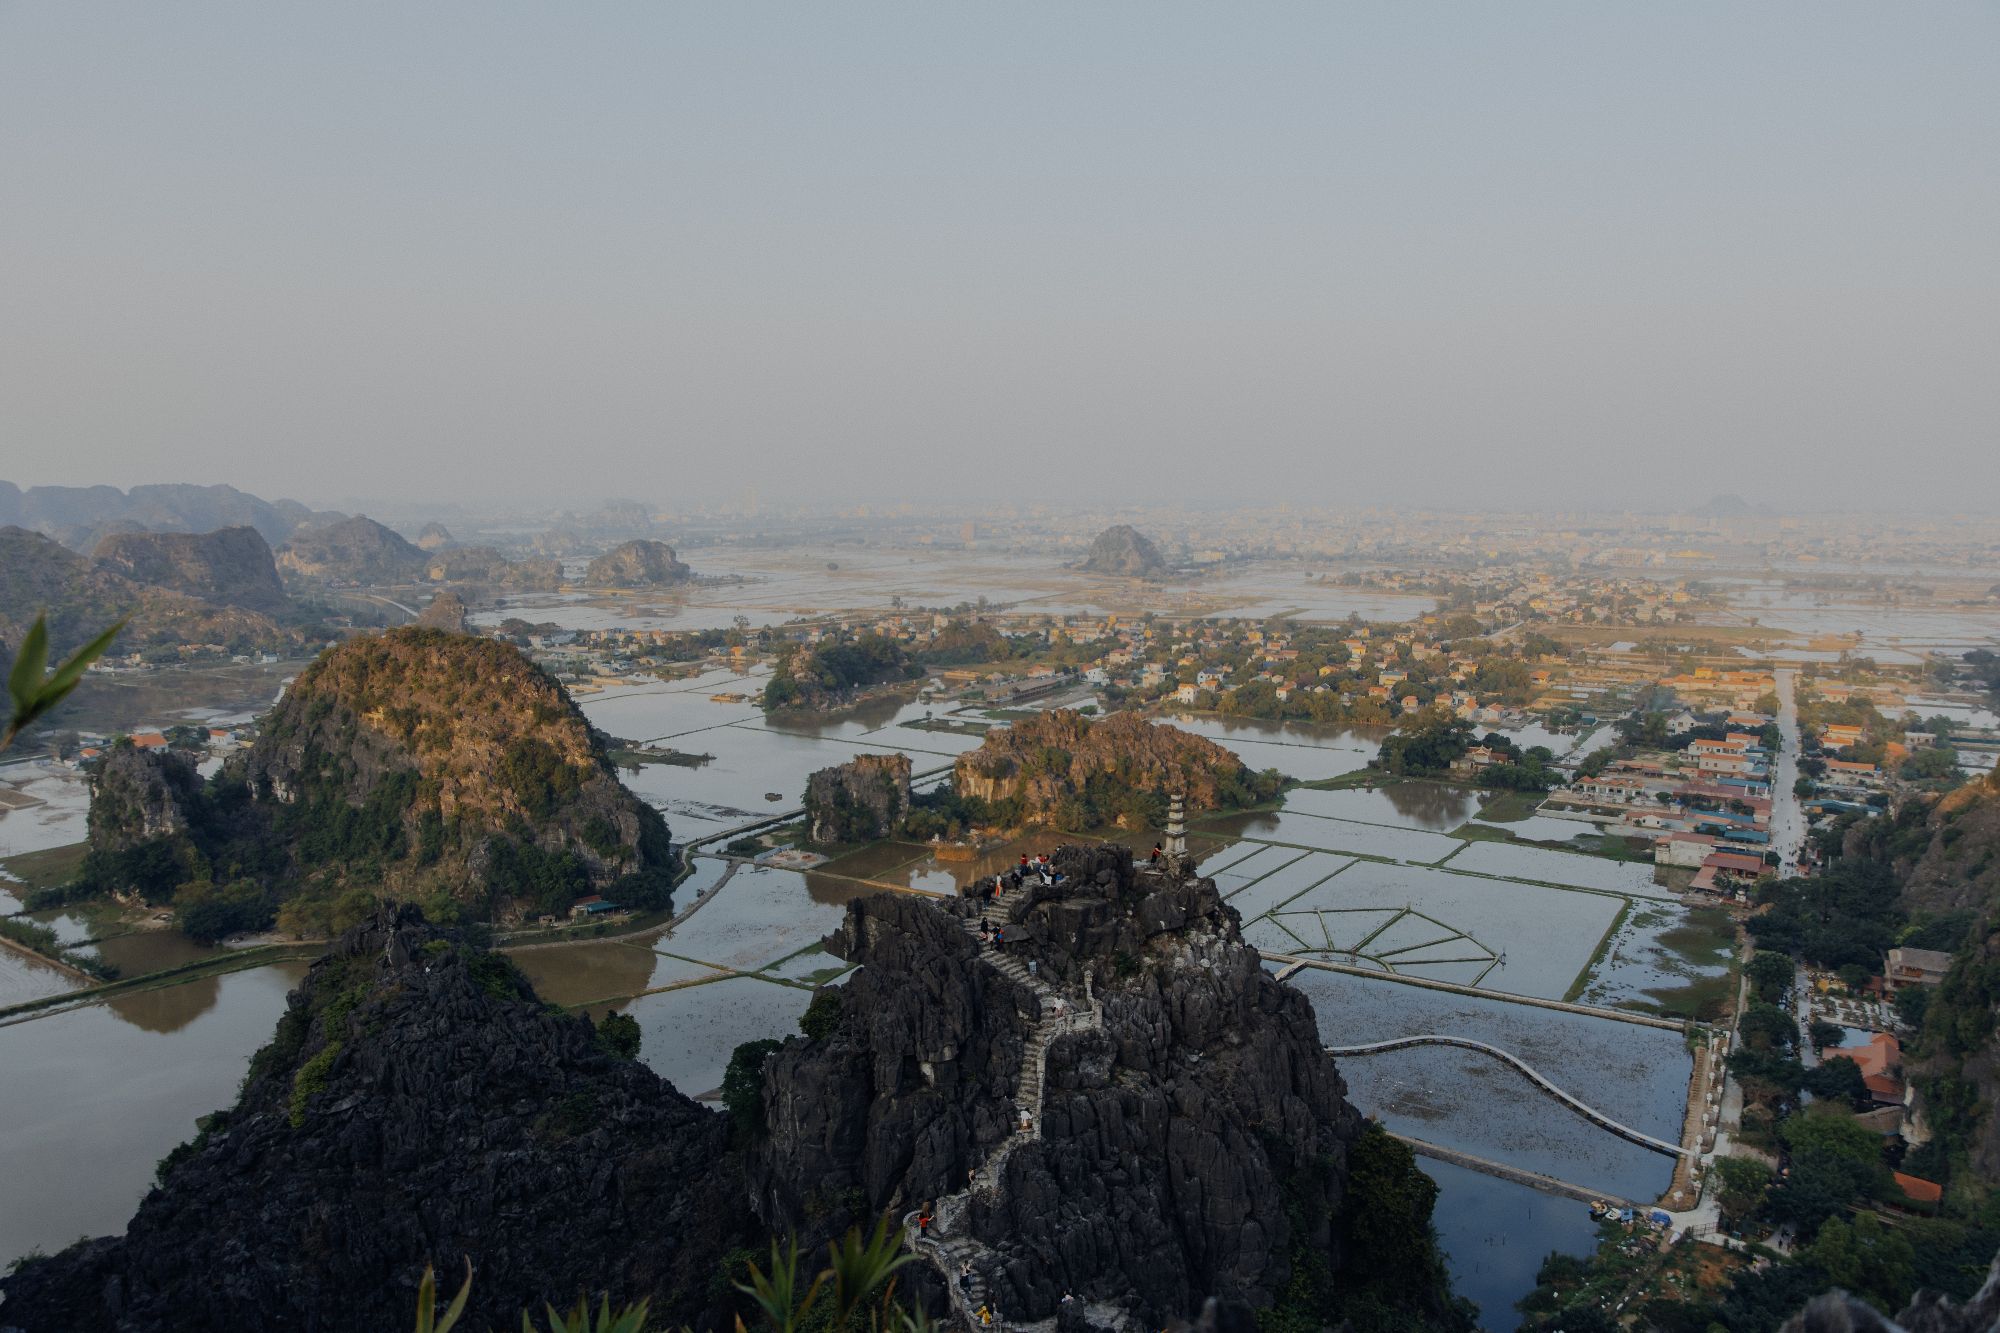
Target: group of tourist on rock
x,y
1038,867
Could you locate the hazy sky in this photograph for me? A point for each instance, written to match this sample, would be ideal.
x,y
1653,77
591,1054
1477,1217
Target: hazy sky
x,y
1324,252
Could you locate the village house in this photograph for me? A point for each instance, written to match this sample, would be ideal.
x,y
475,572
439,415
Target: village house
x,y
1916,967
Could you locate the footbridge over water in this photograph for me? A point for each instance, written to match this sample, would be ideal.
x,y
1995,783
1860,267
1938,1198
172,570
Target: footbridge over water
x,y
1533,1075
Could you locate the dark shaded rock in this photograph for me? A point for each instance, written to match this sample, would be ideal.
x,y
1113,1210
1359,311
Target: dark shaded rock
x,y
417,1105
1126,552
642,563
228,567
1838,1312
859,801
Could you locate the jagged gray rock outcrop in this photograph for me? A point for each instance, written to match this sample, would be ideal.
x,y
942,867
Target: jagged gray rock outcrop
x,y
1180,1134
140,795
860,800
418,1104
1838,1312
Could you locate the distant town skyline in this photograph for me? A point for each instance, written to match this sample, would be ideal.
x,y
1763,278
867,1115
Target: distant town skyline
x,y
1544,257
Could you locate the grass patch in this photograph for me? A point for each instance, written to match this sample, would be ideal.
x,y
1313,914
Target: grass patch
x,y
677,758
1598,955
46,869
1360,777
1510,807
1704,999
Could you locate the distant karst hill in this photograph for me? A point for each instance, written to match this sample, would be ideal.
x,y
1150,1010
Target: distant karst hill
x,y
446,612
80,515
1126,552
637,564
439,767
38,574
353,550
483,564
1060,768
227,567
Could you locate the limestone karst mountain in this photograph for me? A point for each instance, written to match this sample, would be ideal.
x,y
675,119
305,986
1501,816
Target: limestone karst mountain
x,y
1063,769
432,766
353,550
227,567
1126,552
39,575
642,563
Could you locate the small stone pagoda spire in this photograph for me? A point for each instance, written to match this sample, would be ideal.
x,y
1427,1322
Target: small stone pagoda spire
x,y
1176,848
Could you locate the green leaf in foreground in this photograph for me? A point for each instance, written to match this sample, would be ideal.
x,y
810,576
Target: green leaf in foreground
x,y
31,694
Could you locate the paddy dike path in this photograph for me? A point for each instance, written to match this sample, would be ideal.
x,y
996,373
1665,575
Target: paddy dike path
x,y
1533,1075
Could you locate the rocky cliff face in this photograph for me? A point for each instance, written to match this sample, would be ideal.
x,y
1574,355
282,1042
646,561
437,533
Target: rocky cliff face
x,y
353,550
1948,860
228,567
637,564
139,795
1958,868
1190,1137
1125,552
1059,761
858,801
417,1105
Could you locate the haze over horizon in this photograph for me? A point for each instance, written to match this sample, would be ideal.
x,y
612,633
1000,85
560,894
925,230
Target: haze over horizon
x,y
1553,257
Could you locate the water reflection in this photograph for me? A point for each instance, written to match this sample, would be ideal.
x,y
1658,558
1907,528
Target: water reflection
x,y
168,1008
833,891
1419,805
581,973
92,1099
1495,1235
1430,805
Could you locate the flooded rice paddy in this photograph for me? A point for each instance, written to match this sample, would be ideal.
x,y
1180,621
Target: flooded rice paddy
x,y
1633,878
1495,1235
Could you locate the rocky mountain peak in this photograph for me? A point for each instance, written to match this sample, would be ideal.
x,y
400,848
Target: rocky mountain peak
x,y
1119,1103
